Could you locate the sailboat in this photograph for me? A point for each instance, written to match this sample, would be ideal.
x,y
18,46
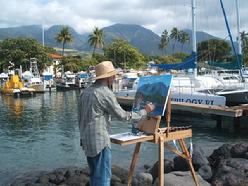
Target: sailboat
x,y
184,88
233,88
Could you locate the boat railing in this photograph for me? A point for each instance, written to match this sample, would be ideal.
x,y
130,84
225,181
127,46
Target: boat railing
x,y
117,85
183,85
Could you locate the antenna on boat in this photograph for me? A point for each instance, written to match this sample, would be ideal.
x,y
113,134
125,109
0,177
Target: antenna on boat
x,y
34,67
194,35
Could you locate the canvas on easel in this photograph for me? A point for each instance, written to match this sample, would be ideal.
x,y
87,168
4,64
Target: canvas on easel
x,y
155,90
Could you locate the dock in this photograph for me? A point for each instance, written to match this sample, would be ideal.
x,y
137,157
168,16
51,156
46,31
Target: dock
x,y
218,112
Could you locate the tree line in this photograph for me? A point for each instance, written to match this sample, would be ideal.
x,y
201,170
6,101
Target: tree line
x,y
119,51
176,35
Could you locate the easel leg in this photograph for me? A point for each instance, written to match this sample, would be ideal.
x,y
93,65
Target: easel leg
x,y
161,161
186,152
133,163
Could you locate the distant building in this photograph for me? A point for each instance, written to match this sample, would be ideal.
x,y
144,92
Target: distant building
x,y
53,68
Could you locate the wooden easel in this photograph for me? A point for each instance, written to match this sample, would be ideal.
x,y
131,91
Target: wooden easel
x,y
160,136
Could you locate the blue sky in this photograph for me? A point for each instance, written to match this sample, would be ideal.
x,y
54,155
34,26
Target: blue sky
x,y
157,15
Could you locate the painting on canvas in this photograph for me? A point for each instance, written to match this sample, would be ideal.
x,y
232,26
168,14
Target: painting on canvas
x,y
154,89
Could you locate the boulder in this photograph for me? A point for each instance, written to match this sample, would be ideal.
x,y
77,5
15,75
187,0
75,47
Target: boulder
x,y
121,173
142,179
232,171
62,177
240,151
118,184
115,179
77,180
178,178
180,164
146,166
198,157
222,152
28,178
56,178
43,179
168,167
205,172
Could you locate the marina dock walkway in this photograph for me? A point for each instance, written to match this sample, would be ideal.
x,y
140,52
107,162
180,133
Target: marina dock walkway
x,y
235,112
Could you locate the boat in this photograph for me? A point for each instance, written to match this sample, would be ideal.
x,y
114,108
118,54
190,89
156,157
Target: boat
x,y
83,79
32,77
37,84
3,78
195,88
33,82
14,87
67,82
233,87
183,89
233,96
48,81
128,79
126,98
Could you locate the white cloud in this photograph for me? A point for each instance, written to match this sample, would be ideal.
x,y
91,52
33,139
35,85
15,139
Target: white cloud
x,y
157,15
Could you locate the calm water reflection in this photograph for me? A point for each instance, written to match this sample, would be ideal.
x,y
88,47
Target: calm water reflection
x,y
41,133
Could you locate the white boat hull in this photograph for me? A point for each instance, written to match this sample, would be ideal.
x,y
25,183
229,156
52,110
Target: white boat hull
x,y
41,88
235,97
199,98
196,98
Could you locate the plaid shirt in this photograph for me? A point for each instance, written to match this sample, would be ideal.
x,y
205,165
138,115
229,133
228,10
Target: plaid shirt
x,y
96,106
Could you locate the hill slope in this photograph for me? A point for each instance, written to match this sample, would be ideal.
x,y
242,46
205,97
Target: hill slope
x,y
143,39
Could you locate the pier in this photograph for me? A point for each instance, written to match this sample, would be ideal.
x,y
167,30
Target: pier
x,y
219,113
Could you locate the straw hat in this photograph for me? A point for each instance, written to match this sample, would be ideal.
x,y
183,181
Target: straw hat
x,y
104,69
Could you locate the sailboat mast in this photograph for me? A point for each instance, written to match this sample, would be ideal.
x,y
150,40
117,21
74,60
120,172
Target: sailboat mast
x,y
194,35
43,36
230,35
238,28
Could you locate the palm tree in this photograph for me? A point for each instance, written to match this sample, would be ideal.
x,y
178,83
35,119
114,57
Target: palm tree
x,y
164,41
96,39
183,38
64,36
244,38
174,35
244,41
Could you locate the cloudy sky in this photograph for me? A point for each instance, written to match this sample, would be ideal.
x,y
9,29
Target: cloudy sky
x,y
157,15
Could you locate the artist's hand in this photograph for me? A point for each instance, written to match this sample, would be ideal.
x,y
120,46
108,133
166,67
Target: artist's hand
x,y
149,107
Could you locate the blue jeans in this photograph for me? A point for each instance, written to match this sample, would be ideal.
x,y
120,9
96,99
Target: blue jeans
x,y
100,168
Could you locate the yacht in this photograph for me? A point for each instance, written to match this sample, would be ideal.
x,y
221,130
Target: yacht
x,y
33,82
183,89
233,88
48,81
15,87
32,77
83,79
37,84
67,82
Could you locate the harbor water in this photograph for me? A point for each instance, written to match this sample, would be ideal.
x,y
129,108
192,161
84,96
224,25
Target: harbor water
x,y
41,133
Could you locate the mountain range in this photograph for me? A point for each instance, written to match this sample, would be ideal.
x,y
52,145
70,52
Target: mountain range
x,y
144,39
